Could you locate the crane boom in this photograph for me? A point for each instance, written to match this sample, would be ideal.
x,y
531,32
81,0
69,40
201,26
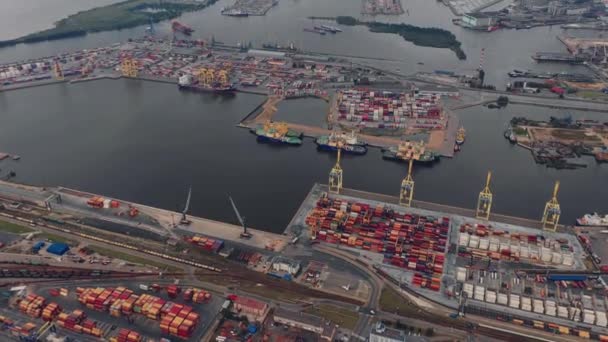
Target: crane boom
x,y
241,219
187,207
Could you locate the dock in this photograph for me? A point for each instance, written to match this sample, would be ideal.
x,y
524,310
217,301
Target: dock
x,y
557,57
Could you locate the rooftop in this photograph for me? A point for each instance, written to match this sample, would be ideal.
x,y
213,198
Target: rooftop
x,y
250,303
381,330
300,317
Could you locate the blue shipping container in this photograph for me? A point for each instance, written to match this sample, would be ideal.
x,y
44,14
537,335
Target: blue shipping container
x,y
58,248
567,277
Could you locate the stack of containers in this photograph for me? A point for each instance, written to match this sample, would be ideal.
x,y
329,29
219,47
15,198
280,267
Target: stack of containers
x,y
208,244
173,290
461,274
575,314
50,311
77,322
526,304
600,319
538,306
32,305
431,283
179,321
126,335
562,312
63,292
480,292
503,299
491,296
201,296
514,301
550,308
589,316
468,289
24,332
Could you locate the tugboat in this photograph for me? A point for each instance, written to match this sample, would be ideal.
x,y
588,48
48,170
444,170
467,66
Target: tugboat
x,y
594,220
460,136
277,132
348,143
410,150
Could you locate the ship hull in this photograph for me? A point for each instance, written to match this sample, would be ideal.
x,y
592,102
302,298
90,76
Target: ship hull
x,y
388,155
221,90
459,142
266,139
352,149
601,222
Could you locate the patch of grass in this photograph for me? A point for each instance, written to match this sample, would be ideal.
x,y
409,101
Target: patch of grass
x,y
58,238
344,317
593,95
391,301
9,227
132,258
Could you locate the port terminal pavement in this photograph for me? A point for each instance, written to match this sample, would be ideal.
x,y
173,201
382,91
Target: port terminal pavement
x,y
159,221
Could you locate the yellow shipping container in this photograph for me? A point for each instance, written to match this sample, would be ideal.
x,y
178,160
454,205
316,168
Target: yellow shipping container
x,y
584,334
564,330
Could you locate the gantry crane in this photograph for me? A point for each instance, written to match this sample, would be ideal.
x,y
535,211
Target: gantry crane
x,y
552,211
128,67
222,76
484,203
335,175
407,187
58,71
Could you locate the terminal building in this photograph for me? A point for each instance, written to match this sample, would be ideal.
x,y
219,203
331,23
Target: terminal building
x,y
479,20
325,329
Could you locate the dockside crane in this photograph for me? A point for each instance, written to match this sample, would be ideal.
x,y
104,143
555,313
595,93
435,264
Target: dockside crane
x,y
245,234
335,175
407,187
184,219
552,211
484,202
58,71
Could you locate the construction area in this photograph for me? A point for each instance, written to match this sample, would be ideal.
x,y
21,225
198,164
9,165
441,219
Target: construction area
x,y
560,142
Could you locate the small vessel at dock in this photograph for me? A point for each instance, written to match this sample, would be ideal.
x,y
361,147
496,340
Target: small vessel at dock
x,y
593,219
277,132
348,143
314,30
460,136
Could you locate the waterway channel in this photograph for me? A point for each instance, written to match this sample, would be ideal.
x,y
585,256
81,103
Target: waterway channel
x,y
147,142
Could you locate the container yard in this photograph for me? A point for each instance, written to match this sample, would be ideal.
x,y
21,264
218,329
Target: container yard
x,y
114,313
510,272
389,110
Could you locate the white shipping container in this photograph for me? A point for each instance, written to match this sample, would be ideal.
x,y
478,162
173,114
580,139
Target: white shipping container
x,y
568,260
503,299
557,258
550,311
484,243
526,307
562,312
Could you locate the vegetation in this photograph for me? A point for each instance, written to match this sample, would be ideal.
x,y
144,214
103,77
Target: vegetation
x,y
9,227
343,317
132,258
421,36
393,302
125,14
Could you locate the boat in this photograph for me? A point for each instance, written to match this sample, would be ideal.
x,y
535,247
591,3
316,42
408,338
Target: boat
x,y
185,82
410,150
456,147
509,134
321,32
277,132
460,136
179,27
348,143
593,220
234,13
331,28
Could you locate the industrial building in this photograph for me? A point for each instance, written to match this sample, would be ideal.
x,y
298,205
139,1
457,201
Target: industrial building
x,y
58,248
479,20
380,333
325,329
253,309
285,265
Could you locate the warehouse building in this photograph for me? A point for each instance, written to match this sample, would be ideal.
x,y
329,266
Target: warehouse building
x,y
58,249
325,329
380,333
479,20
253,309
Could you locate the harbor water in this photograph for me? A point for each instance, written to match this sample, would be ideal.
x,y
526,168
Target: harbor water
x,y
147,142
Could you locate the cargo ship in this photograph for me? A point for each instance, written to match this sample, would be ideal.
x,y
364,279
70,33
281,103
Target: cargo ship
x,y
348,143
277,132
314,30
331,28
179,27
460,136
594,220
234,13
410,150
185,82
